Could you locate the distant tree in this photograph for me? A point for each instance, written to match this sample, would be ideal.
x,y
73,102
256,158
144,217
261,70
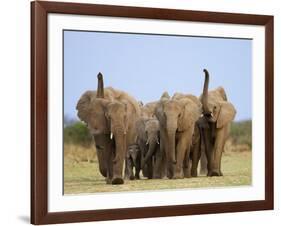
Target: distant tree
x,y
241,132
77,133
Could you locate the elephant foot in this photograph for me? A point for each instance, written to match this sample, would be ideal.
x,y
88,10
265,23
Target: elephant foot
x,y
194,173
132,177
203,172
215,173
137,177
178,176
108,181
187,173
118,180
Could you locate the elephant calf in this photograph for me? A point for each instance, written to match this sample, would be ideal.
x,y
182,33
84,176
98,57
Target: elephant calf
x,y
152,162
133,160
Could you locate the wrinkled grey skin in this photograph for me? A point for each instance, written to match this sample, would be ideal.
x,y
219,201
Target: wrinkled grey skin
x,y
148,140
218,113
177,117
133,161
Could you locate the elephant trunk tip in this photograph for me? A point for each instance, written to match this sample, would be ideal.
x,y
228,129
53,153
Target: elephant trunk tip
x,y
99,76
100,91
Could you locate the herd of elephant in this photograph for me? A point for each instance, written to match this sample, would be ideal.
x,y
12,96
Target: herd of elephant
x,y
163,139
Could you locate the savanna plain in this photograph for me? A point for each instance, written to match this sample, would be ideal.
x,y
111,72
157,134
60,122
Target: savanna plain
x,y
81,173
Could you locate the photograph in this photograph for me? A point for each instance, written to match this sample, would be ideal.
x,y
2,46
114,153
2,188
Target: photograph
x,y
148,112
169,109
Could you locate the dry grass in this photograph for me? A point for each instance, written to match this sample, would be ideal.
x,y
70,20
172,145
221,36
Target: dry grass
x,y
82,175
76,153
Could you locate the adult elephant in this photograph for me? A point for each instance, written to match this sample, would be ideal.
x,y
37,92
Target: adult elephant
x,y
177,117
218,113
111,118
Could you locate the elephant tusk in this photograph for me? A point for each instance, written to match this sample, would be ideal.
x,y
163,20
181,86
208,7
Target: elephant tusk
x,y
111,136
158,142
146,143
212,115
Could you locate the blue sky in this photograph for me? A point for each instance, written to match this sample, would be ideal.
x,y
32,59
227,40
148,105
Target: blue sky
x,y
147,65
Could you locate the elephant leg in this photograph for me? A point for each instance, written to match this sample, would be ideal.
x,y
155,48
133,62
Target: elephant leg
x,y
129,174
102,163
157,167
130,169
143,166
187,166
203,161
207,148
182,150
149,169
137,171
102,150
109,162
217,152
165,168
196,154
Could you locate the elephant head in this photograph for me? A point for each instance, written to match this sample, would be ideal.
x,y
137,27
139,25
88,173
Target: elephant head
x,y
133,152
90,109
216,108
152,135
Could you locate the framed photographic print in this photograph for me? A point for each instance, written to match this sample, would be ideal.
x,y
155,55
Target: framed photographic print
x,y
148,112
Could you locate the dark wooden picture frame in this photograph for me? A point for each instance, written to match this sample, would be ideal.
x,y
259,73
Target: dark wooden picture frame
x,y
39,109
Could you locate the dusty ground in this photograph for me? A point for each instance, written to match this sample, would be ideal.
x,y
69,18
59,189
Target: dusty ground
x,y
84,177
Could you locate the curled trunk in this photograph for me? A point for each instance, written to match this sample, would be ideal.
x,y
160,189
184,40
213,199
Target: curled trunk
x,y
205,93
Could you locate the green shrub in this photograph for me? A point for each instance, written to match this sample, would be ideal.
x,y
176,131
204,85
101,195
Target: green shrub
x,y
241,132
77,133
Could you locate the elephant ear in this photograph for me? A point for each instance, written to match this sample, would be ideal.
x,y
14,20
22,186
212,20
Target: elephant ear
x,y
226,114
190,114
222,93
126,116
83,105
158,112
165,96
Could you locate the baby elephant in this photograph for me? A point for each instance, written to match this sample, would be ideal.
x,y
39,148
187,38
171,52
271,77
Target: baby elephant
x,y
133,160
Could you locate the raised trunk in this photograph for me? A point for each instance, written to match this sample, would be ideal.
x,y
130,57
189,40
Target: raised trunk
x,y
100,91
205,93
